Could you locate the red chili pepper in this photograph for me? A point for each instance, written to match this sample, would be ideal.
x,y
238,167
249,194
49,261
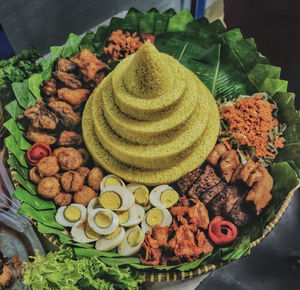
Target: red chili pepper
x,y
222,232
36,152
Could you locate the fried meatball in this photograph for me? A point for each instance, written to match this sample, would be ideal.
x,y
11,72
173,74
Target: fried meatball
x,y
63,199
84,172
72,181
94,178
48,187
69,138
85,156
84,196
58,150
48,166
69,159
34,175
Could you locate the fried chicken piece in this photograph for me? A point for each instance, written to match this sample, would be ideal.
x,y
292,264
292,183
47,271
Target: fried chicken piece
x,y
259,195
75,97
203,243
63,199
94,178
41,117
66,65
71,181
48,166
69,159
229,162
89,65
149,255
198,215
178,210
69,138
48,187
183,201
84,195
247,170
85,155
34,175
69,79
255,176
216,153
236,173
49,87
84,172
5,276
36,135
160,237
66,113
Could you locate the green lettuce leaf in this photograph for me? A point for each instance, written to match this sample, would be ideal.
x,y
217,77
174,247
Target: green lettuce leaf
x,y
72,45
100,38
23,95
25,183
87,42
15,164
34,83
56,52
13,147
46,68
14,110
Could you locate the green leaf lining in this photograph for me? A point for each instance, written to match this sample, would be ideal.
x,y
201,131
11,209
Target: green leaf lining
x,y
12,146
25,183
34,83
23,95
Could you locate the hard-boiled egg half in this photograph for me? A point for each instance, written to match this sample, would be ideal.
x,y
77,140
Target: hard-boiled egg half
x,y
68,215
140,193
156,217
111,179
82,233
132,241
131,217
93,204
103,221
116,198
163,196
108,242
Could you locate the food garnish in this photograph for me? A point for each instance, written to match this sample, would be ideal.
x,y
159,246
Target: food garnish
x,y
36,152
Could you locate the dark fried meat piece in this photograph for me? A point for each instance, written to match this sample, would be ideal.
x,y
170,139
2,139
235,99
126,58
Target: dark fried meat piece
x,y
74,97
238,216
35,135
41,117
66,113
72,181
149,255
70,80
69,138
49,87
48,166
217,203
94,178
188,180
84,172
66,65
63,199
207,196
84,195
69,159
34,175
232,197
48,187
216,154
85,155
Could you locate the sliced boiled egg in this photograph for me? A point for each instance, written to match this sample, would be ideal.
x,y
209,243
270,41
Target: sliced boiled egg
x,y
116,198
103,221
111,179
93,204
132,216
156,217
140,193
82,233
68,215
108,242
163,196
132,241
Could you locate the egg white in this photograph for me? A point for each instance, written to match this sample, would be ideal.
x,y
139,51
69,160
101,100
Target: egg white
x,y
132,187
102,186
136,215
167,219
125,249
60,218
78,233
155,195
103,244
93,204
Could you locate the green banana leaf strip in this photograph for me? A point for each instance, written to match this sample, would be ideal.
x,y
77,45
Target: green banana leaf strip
x,y
25,183
89,253
272,86
14,130
15,164
146,23
14,110
120,261
290,150
161,23
116,23
63,235
72,45
34,201
34,83
294,166
87,42
170,12
101,36
254,230
240,248
161,267
179,21
194,27
192,265
131,20
23,95
47,217
12,146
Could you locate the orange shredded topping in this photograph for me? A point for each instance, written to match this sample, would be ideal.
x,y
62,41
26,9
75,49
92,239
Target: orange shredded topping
x,y
249,121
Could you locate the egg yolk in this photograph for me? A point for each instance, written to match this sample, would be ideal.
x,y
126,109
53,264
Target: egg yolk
x,y
90,233
114,234
72,213
110,200
141,196
154,217
103,219
112,181
169,197
123,216
134,238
